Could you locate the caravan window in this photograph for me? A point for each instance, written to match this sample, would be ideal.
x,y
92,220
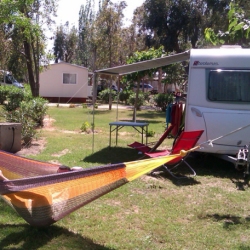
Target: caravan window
x,y
229,85
69,78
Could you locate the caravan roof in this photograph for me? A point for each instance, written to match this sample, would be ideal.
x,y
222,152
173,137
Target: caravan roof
x,y
219,58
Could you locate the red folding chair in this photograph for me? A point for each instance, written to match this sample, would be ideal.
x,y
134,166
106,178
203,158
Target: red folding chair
x,y
185,141
146,148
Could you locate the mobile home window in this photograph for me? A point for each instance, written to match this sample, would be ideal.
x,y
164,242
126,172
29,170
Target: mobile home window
x,y
229,85
69,78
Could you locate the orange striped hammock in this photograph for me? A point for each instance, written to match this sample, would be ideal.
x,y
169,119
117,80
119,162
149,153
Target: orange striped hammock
x,y
41,196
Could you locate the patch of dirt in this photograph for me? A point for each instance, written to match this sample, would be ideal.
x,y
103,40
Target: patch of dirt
x,y
63,152
48,122
124,133
36,147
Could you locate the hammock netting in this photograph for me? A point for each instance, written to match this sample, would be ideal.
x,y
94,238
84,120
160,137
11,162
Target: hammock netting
x,y
41,196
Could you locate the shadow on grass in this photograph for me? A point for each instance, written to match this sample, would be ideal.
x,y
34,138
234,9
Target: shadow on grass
x,y
100,111
112,155
27,237
118,154
182,173
203,164
151,115
207,165
19,235
210,165
227,219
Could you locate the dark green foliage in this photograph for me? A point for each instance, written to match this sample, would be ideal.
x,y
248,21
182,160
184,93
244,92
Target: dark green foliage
x,y
21,107
170,22
237,32
147,96
163,99
104,95
180,24
4,90
35,109
65,44
14,97
86,19
140,100
150,133
22,115
124,95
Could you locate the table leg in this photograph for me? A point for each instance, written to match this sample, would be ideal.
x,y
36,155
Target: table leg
x,y
110,136
116,135
142,130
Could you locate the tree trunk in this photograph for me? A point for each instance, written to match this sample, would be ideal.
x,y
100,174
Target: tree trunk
x,y
110,95
159,80
136,98
33,84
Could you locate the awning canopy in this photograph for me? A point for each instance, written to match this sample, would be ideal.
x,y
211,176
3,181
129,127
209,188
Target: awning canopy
x,y
145,65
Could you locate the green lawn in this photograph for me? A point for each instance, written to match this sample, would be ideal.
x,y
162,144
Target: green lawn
x,y
210,211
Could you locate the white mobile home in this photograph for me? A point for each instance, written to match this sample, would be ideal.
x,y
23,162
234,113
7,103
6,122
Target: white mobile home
x,y
63,82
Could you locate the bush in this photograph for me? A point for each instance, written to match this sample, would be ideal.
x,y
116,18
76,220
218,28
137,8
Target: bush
x,y
21,115
14,97
36,109
150,133
163,99
140,101
147,96
104,95
4,90
124,95
85,127
22,108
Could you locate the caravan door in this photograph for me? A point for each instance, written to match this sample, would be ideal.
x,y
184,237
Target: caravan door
x,y
229,128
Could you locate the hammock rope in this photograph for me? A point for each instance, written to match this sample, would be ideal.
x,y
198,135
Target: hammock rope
x,y
210,142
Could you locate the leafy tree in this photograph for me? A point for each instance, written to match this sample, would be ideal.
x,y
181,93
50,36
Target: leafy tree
x,y
138,76
108,27
141,35
85,32
180,24
174,74
65,43
21,19
172,23
237,32
5,49
143,56
163,99
59,44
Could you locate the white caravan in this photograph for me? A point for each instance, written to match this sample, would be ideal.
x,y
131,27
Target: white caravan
x,y
218,98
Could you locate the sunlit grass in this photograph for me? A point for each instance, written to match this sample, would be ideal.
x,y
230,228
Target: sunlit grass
x,y
210,211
